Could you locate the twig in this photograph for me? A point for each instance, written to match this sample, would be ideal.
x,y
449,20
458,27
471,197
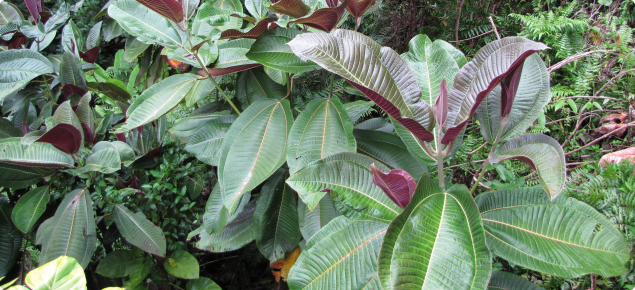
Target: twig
x,y
458,21
601,138
573,58
459,165
494,27
584,97
477,149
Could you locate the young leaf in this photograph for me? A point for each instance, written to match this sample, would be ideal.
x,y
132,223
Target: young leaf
x,y
312,222
63,273
441,105
325,19
433,218
479,77
29,208
507,281
170,9
322,129
182,264
293,8
271,50
10,238
254,148
521,223
543,154
139,231
509,88
18,67
398,185
64,137
397,93
36,155
344,250
117,264
262,26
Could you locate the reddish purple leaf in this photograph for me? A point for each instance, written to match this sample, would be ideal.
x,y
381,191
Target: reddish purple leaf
x,y
332,3
17,40
175,64
154,152
440,108
121,137
90,55
357,8
247,18
216,72
262,26
44,16
397,184
293,8
34,8
88,134
64,137
25,128
170,9
413,126
69,89
509,88
324,19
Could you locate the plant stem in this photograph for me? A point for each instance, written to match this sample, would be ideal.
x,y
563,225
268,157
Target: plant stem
x,y
331,85
198,58
487,162
440,157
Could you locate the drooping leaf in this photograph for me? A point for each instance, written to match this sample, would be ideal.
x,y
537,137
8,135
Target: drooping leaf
x,y
170,9
313,221
479,77
158,100
105,161
357,8
618,156
323,128
521,223
63,273
254,84
235,235
397,184
271,50
182,264
139,231
348,178
507,281
64,137
17,177
10,238
29,208
276,218
216,215
293,8
71,231
18,67
449,249
343,255
146,25
254,148
35,155
202,283
262,26
363,62
188,126
325,19
543,154
207,142
532,95
117,264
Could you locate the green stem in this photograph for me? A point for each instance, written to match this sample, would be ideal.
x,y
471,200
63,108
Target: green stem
x,y
331,85
487,163
198,58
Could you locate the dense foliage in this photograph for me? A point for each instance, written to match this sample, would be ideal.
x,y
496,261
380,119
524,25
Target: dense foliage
x,y
245,144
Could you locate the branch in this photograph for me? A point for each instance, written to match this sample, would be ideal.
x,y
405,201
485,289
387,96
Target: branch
x,y
573,58
494,27
601,138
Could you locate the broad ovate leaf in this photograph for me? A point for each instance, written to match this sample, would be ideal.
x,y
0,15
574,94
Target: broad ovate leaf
x,y
376,71
325,19
30,207
34,155
71,231
254,148
397,184
117,264
146,25
216,215
479,77
437,242
271,49
64,137
139,231
293,8
532,95
521,223
182,264
63,273
348,178
543,154
18,67
105,161
323,128
343,255
17,177
254,84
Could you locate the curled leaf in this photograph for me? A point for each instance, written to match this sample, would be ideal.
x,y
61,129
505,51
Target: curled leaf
x,y
64,137
357,8
293,8
509,89
618,156
170,9
324,19
441,104
262,26
397,184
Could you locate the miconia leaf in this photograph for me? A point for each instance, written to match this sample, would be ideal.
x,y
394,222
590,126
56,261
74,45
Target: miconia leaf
x,y
18,67
34,155
105,161
325,19
235,235
532,95
521,223
63,273
139,231
231,58
64,114
117,264
17,177
477,79
343,255
437,242
7,130
182,264
257,8
348,179
271,50
207,142
71,71
254,148
507,281
312,222
9,13
72,39
29,208
64,137
276,218
134,48
71,231
10,238
94,37
170,9
188,126
397,184
216,215
293,8
262,26
254,84
357,8
543,154
363,62
323,128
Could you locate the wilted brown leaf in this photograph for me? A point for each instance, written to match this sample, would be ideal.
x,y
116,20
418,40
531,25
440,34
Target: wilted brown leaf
x,y
281,268
610,123
618,156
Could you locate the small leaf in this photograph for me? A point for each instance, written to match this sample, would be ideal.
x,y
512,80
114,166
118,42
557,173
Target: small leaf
x,y
117,264
63,273
293,8
139,231
509,87
441,105
182,264
170,9
398,185
30,207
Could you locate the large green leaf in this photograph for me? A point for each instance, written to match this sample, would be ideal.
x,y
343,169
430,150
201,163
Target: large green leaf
x,y
30,207
188,126
71,71
158,100
437,242
202,283
254,147
10,238
433,62
235,235
312,222
343,255
146,25
182,264
216,215
276,218
63,273
563,237
507,281
532,95
9,13
543,154
207,142
18,67
139,231
117,264
389,150
15,176
106,161
255,84
36,155
71,231
271,49
378,71
348,178
322,129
